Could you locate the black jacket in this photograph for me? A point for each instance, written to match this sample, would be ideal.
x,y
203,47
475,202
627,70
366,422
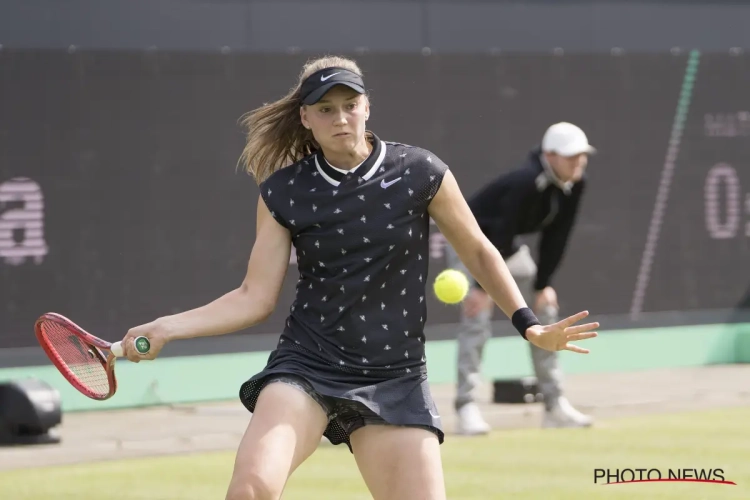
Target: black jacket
x,y
528,200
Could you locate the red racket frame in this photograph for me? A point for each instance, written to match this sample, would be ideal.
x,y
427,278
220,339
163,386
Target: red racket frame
x,y
94,343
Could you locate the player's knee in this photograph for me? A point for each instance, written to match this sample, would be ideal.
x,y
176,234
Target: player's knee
x,y
251,487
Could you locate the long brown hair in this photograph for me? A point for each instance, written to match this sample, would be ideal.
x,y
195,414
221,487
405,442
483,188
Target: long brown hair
x,y
276,137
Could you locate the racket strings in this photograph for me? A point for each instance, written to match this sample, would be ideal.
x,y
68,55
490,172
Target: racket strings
x,y
78,357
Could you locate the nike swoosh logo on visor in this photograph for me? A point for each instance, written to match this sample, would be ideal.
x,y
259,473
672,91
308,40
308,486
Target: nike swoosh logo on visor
x,y
324,78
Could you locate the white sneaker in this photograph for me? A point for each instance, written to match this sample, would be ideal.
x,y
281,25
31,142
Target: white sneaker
x,y
564,415
470,421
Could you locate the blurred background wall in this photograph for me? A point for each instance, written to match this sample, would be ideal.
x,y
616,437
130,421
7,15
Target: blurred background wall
x,y
120,199
378,25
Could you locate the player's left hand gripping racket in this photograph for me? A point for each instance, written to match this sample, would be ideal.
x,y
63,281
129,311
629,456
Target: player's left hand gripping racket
x,y
79,357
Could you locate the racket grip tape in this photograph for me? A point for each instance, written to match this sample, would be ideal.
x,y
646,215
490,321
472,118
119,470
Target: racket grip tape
x,y
142,345
117,350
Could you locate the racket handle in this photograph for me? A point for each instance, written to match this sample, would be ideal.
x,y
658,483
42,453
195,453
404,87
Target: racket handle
x,y
117,350
142,345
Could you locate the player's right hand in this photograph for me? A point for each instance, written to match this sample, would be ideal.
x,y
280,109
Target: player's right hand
x,y
155,334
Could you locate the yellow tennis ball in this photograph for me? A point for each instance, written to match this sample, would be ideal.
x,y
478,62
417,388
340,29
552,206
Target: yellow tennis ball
x,y
451,286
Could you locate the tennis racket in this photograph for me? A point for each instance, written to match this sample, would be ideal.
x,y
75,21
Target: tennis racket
x,y
86,361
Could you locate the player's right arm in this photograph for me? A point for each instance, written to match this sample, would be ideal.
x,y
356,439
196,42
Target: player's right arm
x,y
247,305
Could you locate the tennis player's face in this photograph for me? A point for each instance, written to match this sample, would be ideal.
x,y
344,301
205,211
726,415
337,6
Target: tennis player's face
x,y
569,168
338,120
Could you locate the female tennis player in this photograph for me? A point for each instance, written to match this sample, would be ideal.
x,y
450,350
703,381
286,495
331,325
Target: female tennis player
x,y
350,363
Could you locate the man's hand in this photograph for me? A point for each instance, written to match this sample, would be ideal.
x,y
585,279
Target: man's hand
x,y
545,298
476,301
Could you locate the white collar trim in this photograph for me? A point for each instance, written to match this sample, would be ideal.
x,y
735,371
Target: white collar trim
x,y
377,163
367,175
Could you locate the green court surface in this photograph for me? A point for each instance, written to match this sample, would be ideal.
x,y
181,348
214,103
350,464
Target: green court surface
x,y
519,464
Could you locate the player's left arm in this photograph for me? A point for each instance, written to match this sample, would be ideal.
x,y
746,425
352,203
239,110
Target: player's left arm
x,y
455,220
451,213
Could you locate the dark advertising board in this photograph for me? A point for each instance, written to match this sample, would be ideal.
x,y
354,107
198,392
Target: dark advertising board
x,y
120,199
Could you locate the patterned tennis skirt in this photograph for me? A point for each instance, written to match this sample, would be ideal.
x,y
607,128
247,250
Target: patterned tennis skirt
x,y
350,399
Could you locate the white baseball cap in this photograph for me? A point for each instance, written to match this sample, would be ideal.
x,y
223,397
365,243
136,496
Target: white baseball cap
x,y
566,139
